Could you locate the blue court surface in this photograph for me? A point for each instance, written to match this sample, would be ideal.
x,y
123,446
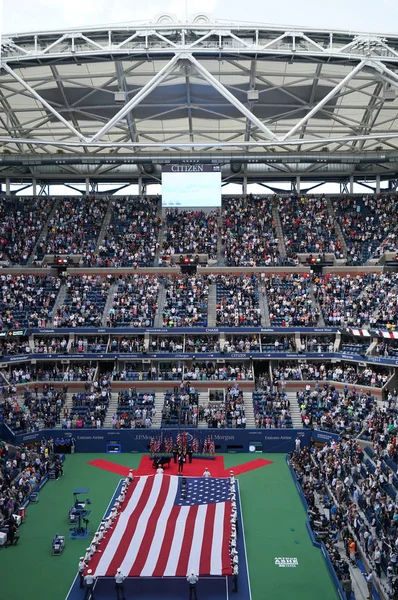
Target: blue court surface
x,y
174,588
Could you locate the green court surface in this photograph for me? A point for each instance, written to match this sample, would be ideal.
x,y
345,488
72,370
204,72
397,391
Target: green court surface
x,y
274,523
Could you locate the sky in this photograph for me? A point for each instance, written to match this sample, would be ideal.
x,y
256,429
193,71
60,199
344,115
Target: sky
x,y
352,15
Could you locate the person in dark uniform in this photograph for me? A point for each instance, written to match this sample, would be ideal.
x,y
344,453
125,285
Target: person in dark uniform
x,y
119,585
89,581
175,453
235,578
82,566
189,452
12,538
181,460
192,580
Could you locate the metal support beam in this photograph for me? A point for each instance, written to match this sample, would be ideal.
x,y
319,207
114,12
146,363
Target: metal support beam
x,y
87,186
377,184
244,185
351,184
343,187
298,184
140,185
252,82
46,105
143,93
189,107
123,86
324,100
213,81
44,189
34,187
8,186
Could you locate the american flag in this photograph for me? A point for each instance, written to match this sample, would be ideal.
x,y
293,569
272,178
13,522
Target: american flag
x,y
166,529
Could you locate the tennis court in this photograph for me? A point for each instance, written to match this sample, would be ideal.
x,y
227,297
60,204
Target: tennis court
x,y
274,524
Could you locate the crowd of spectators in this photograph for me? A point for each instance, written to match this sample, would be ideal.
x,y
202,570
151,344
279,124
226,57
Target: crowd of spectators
x,y
172,344
32,410
357,496
92,344
225,409
359,301
189,232
199,344
369,225
131,239
21,470
325,343
289,301
127,344
186,301
21,222
241,343
249,233
135,302
47,345
278,343
204,371
74,228
135,409
89,407
371,375
308,227
85,300
27,300
180,407
271,407
237,301
324,407
14,346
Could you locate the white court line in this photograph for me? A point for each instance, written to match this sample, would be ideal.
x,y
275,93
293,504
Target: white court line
x,y
107,508
244,541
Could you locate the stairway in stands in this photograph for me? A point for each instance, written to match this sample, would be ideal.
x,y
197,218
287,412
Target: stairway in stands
x,y
159,402
68,404
203,401
264,309
59,301
43,232
249,412
339,231
105,225
220,255
211,306
111,410
158,320
295,410
109,302
278,229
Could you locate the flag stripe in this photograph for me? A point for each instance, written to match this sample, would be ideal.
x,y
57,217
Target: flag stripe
x,y
204,566
119,527
175,549
138,526
197,540
182,565
109,532
217,542
149,549
126,526
168,535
